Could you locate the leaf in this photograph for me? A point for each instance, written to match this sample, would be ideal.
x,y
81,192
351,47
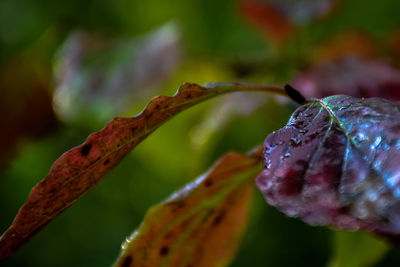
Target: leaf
x,y
352,76
336,163
280,19
200,225
269,19
369,249
82,167
103,75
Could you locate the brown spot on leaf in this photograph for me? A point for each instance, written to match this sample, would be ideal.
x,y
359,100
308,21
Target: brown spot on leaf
x,y
86,149
164,251
133,129
127,262
217,220
83,174
208,183
209,221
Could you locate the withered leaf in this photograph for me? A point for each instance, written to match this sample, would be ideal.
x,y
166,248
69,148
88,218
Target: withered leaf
x,y
336,163
82,167
200,225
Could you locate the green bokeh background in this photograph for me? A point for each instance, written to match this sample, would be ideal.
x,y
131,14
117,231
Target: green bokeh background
x,y
216,40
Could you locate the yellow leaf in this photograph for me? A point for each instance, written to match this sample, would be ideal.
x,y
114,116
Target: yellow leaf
x,y
200,225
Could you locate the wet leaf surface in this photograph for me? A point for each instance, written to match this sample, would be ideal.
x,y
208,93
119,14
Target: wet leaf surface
x,y
82,167
200,225
336,163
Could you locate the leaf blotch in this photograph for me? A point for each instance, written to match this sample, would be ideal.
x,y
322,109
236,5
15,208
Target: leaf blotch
x,y
208,183
86,149
217,220
164,251
127,262
106,162
133,129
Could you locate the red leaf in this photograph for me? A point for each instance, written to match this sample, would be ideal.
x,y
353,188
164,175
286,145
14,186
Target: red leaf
x,y
82,167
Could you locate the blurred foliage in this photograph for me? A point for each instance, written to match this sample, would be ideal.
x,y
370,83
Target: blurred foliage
x,y
217,41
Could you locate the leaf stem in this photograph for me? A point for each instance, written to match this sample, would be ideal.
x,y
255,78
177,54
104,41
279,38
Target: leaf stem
x,y
248,87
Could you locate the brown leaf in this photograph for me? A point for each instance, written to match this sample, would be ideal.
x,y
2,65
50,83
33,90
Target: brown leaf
x,y
82,167
280,19
269,19
202,224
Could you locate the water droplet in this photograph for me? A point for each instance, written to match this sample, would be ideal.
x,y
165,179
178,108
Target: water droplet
x,y
267,164
397,144
295,141
360,137
376,143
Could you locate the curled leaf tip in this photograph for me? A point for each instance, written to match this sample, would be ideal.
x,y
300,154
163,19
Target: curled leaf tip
x,y
294,94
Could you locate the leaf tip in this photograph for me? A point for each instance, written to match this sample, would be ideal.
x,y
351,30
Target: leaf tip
x,y
294,94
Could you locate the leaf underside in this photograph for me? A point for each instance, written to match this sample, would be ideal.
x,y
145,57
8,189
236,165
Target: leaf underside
x,y
200,225
82,167
336,163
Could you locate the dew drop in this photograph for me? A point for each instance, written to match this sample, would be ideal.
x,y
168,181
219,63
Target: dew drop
x,y
376,143
360,137
295,141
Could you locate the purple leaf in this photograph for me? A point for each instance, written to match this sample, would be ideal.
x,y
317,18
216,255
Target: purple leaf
x,y
336,163
352,76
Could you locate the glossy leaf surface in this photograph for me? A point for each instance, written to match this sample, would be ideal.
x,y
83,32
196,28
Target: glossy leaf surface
x,y
336,163
200,225
82,167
